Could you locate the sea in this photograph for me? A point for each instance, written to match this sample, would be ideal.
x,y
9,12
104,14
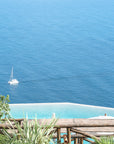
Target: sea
x,y
61,51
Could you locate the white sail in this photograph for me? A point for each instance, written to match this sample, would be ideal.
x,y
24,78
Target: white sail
x,y
12,81
11,76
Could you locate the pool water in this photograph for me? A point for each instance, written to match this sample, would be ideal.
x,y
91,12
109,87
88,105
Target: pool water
x,y
61,110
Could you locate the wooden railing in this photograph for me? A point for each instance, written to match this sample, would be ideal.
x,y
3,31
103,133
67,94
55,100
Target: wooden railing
x,y
77,130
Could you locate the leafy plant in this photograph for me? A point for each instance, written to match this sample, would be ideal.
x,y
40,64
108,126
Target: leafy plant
x,y
4,139
4,106
32,133
105,140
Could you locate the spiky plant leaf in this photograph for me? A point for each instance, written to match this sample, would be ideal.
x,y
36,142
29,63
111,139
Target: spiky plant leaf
x,y
33,132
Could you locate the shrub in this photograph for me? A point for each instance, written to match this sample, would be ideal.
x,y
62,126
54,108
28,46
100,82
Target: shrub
x,y
4,139
105,140
4,107
32,133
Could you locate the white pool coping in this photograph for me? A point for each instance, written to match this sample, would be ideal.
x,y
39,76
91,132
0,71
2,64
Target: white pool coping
x,y
65,103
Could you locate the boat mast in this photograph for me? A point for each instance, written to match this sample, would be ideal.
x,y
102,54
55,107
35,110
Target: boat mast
x,y
11,77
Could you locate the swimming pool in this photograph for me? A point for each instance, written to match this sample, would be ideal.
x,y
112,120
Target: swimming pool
x,y
61,110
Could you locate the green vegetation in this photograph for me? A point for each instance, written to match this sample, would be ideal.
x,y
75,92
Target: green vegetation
x,y
105,140
4,107
4,139
4,113
32,133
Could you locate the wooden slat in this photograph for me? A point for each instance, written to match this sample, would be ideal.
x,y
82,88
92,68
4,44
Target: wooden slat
x,y
69,135
81,140
85,122
84,133
64,123
18,120
58,135
75,140
96,129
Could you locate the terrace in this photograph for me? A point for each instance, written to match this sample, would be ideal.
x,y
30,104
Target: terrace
x,y
76,130
73,125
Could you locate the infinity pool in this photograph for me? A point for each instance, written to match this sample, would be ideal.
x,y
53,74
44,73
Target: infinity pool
x,y
61,110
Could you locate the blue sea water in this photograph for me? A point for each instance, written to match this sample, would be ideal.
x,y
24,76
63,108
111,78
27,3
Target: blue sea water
x,y
61,51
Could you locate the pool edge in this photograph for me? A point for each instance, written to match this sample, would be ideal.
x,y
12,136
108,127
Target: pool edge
x,y
65,103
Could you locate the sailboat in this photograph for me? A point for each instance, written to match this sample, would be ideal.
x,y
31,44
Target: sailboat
x,y
12,81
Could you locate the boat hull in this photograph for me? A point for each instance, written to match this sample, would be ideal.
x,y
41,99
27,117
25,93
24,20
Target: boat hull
x,y
13,82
